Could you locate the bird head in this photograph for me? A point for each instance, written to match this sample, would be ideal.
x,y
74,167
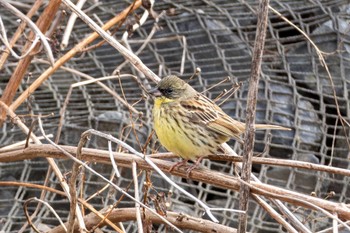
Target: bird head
x,y
173,88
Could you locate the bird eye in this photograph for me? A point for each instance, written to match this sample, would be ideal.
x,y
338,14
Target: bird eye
x,y
166,91
169,91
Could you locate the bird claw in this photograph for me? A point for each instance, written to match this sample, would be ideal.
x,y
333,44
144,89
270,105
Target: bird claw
x,y
189,170
178,164
195,165
184,162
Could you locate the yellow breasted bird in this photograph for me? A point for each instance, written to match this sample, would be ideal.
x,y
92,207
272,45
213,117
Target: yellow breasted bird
x,y
191,125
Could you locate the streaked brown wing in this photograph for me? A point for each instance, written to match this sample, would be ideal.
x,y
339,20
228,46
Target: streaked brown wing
x,y
203,110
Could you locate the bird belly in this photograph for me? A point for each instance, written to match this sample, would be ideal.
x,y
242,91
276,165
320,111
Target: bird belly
x,y
179,139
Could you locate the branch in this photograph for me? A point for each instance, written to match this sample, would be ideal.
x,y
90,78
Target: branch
x,y
78,48
249,135
134,60
69,155
33,26
178,219
52,163
199,174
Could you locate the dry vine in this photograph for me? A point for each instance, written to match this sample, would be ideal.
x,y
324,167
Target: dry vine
x,y
128,157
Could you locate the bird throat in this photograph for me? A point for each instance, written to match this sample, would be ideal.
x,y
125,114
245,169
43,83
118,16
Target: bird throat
x,y
162,100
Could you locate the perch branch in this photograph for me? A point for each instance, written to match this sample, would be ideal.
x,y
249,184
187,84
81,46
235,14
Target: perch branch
x,y
199,174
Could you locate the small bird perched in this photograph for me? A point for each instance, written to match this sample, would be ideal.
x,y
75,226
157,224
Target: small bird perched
x,y
189,124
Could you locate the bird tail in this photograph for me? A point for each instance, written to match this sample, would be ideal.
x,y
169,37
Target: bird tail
x,y
276,127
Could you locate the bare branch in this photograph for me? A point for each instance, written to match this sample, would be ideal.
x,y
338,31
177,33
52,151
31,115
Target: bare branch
x,y
134,60
33,27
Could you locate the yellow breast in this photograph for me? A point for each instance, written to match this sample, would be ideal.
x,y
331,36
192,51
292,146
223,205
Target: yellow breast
x,y
171,134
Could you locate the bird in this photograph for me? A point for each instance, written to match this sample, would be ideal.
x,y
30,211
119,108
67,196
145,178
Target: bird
x,y
191,125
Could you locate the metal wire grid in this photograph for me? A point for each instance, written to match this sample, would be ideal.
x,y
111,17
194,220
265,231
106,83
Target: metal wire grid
x,y
294,91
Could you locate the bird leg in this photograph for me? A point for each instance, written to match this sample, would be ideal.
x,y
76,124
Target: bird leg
x,y
196,164
178,164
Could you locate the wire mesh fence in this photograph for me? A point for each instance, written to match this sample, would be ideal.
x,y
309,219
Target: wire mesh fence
x,y
218,36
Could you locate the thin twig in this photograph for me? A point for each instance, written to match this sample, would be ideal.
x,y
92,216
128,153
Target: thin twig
x,y
331,229
38,207
25,204
3,38
167,39
21,69
33,27
70,25
49,189
306,203
77,49
279,162
228,78
137,197
136,25
72,187
278,203
120,23
90,81
249,135
105,87
134,60
87,134
324,64
186,222
139,50
52,163
156,168
21,143
114,165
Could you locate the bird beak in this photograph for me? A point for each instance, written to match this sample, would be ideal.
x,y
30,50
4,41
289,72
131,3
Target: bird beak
x,y
155,92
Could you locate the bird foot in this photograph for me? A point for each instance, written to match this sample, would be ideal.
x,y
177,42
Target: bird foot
x,y
184,162
195,165
179,164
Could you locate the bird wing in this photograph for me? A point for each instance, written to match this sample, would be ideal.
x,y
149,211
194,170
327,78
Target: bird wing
x,y
202,110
